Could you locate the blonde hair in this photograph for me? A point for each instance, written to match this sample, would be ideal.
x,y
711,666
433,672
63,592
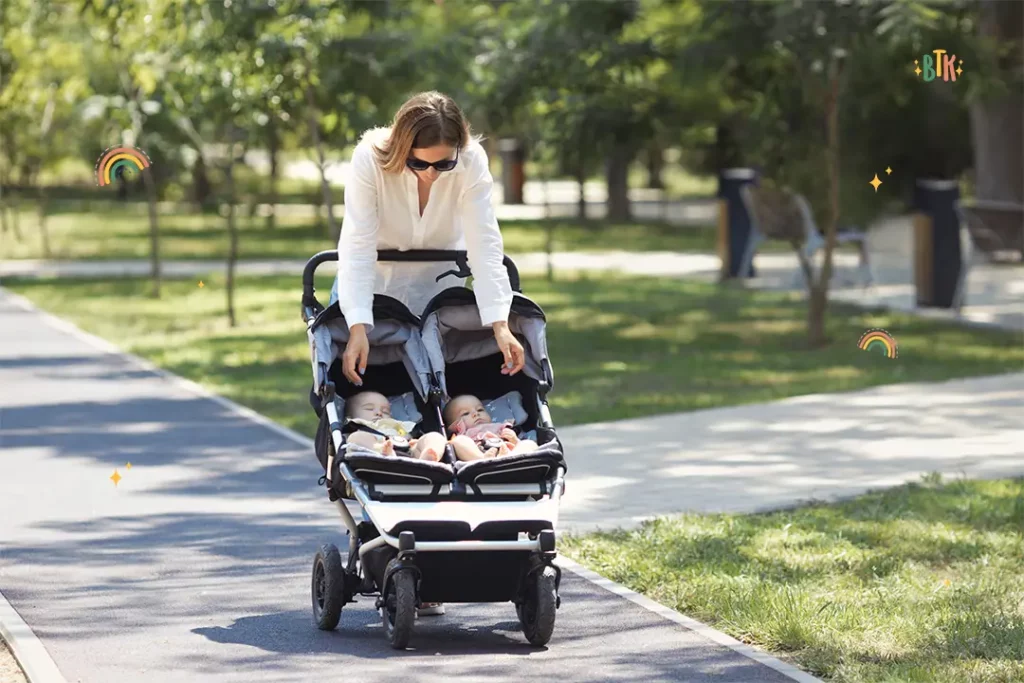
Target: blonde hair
x,y
425,120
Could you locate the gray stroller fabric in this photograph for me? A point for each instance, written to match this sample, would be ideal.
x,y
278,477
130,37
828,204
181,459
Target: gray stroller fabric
x,y
390,341
454,333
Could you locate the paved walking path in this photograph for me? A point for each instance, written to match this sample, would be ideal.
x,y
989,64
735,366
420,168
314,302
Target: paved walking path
x,y
820,447
195,567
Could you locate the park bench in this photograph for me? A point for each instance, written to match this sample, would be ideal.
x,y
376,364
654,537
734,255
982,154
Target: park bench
x,y
995,232
783,215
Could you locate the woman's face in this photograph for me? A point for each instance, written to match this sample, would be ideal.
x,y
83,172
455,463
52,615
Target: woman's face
x,y
431,155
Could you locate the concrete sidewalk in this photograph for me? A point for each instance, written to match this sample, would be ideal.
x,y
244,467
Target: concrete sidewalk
x,y
764,456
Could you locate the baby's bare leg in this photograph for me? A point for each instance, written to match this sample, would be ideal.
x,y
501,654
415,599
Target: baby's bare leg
x,y
466,449
429,447
364,439
524,446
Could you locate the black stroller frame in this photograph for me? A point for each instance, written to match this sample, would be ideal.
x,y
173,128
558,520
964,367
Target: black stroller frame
x,y
415,548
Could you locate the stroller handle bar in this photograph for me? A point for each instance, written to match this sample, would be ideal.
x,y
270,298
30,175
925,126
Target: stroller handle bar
x,y
458,257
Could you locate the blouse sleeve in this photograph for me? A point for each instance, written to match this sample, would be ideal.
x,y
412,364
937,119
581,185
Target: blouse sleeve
x,y
484,246
357,244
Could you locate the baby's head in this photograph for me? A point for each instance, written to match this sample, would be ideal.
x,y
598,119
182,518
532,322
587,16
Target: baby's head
x,y
468,409
368,405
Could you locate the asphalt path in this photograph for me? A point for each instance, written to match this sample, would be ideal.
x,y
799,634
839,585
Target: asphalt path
x,y
196,565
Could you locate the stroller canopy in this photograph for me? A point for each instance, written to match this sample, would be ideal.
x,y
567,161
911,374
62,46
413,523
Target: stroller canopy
x,y
394,337
453,332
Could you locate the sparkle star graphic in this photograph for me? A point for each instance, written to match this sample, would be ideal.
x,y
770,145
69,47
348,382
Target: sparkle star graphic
x,y
917,69
201,285
128,466
958,69
875,182
115,477
888,171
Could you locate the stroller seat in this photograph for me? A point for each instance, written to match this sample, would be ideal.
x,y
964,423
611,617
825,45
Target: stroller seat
x,y
398,369
456,341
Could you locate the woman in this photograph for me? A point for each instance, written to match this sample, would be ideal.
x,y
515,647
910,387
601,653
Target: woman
x,y
424,183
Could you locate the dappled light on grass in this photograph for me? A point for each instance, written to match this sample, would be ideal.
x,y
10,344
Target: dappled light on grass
x,y
921,582
621,347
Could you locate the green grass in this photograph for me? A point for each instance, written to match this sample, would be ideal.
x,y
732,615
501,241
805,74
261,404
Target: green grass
x,y
918,583
121,231
621,347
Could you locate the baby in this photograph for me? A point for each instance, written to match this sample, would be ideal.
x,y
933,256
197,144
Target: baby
x,y
476,436
373,410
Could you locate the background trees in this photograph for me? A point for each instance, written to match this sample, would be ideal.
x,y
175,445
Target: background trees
x,y
819,96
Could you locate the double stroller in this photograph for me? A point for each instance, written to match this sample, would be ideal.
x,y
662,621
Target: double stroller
x,y
446,531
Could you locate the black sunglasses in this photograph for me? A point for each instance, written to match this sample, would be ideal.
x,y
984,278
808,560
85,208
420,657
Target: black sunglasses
x,y
442,166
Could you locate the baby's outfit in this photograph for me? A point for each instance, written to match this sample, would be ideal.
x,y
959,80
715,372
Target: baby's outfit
x,y
387,427
479,433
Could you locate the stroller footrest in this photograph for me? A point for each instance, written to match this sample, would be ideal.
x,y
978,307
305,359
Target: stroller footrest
x,y
381,469
524,468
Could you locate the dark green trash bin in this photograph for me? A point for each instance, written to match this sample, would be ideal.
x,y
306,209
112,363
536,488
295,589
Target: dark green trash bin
x,y
734,224
937,257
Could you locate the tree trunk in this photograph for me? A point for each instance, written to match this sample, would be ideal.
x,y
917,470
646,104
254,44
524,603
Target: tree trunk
x,y
655,166
15,207
44,231
997,126
154,231
14,201
581,182
273,149
549,230
200,183
617,176
325,187
229,179
817,308
818,303
4,223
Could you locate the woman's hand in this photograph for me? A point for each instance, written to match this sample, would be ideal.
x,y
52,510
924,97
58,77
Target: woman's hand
x,y
353,361
515,357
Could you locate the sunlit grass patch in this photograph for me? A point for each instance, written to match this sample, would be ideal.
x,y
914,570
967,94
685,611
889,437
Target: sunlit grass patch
x,y
923,582
621,347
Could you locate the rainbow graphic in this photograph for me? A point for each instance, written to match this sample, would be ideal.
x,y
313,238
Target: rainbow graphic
x,y
120,161
879,341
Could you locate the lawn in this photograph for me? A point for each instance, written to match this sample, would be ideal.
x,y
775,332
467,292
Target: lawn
x,y
621,347
923,582
108,230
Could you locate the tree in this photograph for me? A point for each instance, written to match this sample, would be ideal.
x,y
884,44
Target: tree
x,y
128,39
43,79
583,70
342,65
997,114
216,94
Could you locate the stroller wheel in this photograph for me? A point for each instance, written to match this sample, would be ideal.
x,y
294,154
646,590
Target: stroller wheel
x,y
537,613
328,587
398,612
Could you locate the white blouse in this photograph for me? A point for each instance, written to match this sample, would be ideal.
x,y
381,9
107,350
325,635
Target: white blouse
x,y
382,212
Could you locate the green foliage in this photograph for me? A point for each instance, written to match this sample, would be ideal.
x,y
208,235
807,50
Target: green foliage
x,y
573,79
